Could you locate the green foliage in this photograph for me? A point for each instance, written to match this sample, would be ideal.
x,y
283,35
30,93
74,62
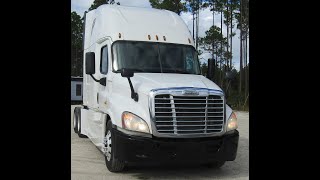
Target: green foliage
x,y
214,33
204,69
227,55
214,37
76,30
194,5
242,17
176,6
76,44
97,3
238,101
216,5
235,99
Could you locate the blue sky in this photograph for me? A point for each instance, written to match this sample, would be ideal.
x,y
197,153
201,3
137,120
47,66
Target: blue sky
x,y
205,23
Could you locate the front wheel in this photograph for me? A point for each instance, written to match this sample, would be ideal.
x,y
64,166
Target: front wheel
x,y
113,165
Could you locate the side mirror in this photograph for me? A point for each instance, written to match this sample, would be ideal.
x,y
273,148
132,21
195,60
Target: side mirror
x,y
211,66
103,81
127,73
90,63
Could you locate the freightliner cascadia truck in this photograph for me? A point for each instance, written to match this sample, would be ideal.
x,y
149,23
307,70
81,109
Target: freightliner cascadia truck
x,y
144,98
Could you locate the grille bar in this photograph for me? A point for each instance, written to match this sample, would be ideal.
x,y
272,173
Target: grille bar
x,y
190,108
192,121
190,133
188,103
186,112
206,113
193,130
173,114
186,125
188,99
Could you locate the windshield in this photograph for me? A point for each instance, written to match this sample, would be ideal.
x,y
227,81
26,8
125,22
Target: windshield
x,y
155,57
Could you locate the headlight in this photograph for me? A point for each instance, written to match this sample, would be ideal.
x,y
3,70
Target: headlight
x,y
134,123
232,122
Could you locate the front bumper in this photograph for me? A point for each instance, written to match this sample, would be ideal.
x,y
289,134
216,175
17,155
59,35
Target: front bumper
x,y
133,149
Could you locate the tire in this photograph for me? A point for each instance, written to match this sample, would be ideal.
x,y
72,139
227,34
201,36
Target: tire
x,y
215,164
75,121
113,165
77,115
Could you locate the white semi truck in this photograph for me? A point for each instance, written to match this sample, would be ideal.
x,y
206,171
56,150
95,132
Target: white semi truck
x,y
144,98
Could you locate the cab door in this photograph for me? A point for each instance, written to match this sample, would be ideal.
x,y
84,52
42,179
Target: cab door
x,y
97,120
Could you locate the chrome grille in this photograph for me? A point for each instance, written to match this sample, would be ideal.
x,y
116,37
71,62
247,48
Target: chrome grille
x,y
188,114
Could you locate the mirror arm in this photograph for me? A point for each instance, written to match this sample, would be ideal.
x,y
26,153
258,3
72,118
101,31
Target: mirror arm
x,y
134,95
102,81
96,80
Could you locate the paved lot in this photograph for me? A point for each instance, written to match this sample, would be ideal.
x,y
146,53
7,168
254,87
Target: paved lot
x,y
87,162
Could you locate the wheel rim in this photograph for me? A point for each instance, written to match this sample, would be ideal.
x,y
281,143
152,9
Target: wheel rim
x,y
108,145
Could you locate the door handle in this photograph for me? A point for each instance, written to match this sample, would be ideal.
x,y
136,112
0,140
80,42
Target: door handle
x,y
98,98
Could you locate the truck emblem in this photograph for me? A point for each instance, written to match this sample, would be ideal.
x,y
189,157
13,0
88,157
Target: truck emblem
x,y
190,92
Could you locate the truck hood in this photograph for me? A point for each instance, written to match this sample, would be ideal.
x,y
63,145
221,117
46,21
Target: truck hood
x,y
144,82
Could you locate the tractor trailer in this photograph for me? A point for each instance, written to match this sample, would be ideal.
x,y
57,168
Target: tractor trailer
x,y
144,98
